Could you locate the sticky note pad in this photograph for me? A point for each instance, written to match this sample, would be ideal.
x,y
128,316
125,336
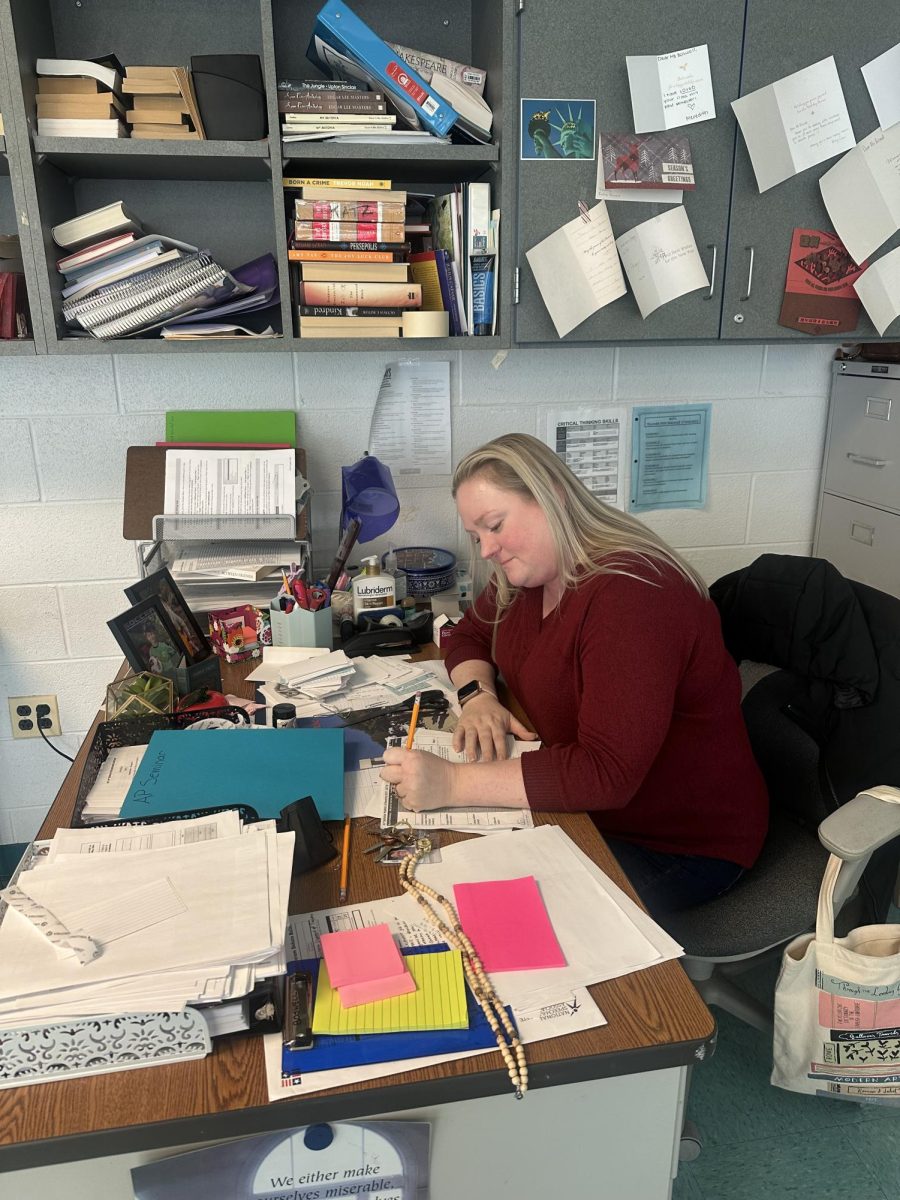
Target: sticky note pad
x,y
439,1001
361,955
507,923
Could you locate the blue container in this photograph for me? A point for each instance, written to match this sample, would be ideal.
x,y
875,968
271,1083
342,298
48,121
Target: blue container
x,y
428,569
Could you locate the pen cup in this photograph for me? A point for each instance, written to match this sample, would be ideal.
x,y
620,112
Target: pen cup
x,y
301,627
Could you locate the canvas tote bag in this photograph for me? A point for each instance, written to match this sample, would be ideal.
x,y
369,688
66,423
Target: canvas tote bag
x,y
837,1006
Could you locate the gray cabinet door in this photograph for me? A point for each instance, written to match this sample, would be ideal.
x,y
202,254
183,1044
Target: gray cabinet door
x,y
781,38
577,50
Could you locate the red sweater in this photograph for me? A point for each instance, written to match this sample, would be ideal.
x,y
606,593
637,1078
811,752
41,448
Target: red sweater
x,y
637,703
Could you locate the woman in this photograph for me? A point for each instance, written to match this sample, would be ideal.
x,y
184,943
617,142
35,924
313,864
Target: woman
x,y
612,646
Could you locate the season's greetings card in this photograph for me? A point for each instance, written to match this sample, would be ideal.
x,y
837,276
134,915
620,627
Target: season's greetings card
x,y
819,296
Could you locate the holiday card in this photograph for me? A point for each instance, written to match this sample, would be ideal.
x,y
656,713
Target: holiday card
x,y
819,296
654,160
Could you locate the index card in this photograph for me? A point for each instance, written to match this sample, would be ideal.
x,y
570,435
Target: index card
x,y
862,193
795,123
576,269
661,260
879,290
668,90
882,76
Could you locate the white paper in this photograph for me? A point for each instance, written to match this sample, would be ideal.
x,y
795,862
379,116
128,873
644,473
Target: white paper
x,y
593,448
282,658
411,427
576,269
113,781
129,839
230,482
862,193
879,289
668,90
795,123
129,911
661,260
882,76
218,560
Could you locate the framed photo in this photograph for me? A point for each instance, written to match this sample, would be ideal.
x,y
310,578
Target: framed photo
x,y
193,640
147,639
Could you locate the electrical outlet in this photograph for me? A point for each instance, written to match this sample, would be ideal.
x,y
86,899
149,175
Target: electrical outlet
x,y
26,711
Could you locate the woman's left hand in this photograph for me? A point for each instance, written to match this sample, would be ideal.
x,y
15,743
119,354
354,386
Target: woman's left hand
x,y
423,781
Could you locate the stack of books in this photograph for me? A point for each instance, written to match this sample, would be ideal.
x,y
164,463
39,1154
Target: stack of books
x,y
349,244
79,98
163,104
120,282
314,110
13,304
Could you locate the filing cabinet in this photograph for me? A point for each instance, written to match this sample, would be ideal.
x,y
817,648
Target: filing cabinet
x,y
858,523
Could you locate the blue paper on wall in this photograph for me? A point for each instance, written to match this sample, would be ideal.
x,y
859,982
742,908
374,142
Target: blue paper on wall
x,y
265,768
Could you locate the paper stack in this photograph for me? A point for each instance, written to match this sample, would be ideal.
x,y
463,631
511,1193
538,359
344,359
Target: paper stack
x,y
144,919
163,104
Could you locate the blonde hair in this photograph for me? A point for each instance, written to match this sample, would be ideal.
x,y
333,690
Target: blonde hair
x,y
587,533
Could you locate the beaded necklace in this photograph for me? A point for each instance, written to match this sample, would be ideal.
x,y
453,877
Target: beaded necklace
x,y
482,989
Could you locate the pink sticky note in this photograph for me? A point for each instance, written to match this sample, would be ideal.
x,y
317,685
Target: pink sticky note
x,y
352,994
508,925
358,956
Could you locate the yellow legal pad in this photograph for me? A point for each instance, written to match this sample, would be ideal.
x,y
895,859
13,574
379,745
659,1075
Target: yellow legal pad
x,y
439,1001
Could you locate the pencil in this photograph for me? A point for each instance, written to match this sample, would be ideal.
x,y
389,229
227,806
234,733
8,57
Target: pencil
x,y
345,861
413,720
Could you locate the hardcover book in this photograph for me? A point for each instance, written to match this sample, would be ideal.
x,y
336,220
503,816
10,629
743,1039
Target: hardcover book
x,y
345,186
819,296
348,231
349,210
646,160
331,102
362,294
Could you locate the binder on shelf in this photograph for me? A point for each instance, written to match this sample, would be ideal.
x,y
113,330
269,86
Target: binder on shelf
x,y
230,96
145,485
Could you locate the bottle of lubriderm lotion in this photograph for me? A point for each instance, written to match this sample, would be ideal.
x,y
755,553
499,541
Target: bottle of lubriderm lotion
x,y
372,588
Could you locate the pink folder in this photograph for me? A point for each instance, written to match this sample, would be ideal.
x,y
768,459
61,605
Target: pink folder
x,y
365,965
508,925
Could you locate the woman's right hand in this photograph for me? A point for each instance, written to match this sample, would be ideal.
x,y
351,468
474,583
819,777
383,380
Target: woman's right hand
x,y
483,727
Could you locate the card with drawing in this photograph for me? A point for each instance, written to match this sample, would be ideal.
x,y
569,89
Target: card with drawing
x,y
661,260
646,160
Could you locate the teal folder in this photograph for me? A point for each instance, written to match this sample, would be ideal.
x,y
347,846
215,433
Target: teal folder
x,y
265,768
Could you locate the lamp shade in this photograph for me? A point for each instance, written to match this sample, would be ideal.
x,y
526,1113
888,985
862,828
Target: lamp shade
x,y
368,493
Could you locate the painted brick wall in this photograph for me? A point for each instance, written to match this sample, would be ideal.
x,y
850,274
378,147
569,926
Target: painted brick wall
x,y
65,424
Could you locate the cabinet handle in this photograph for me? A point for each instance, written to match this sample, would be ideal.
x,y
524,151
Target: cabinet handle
x,y
746,295
865,460
712,270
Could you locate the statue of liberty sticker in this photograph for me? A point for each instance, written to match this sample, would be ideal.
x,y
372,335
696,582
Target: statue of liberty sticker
x,y
558,129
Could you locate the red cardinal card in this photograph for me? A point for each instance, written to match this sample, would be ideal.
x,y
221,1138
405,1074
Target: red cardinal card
x,y
818,294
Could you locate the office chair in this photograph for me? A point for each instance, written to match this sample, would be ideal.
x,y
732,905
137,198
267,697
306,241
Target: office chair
x,y
823,722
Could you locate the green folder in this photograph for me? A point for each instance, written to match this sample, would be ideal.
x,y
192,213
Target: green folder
x,y
241,425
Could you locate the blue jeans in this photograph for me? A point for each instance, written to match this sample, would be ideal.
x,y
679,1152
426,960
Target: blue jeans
x,y
669,882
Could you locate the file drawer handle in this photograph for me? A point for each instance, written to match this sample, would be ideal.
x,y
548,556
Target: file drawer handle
x,y
712,270
746,295
862,533
866,460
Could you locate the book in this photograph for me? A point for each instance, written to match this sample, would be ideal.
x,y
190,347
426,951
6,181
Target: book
x,y
165,132
155,116
334,310
324,192
363,272
176,105
360,322
450,292
374,331
348,256
120,268
423,270
274,426
421,60
315,85
377,232
104,105
69,262
331,103
646,160
343,185
304,119
361,244
261,768
98,223
475,118
819,296
106,70
349,210
76,127
361,293
342,44
69,85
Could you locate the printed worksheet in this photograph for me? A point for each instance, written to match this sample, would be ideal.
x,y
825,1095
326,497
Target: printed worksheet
x,y
411,425
577,270
593,448
882,76
795,123
862,193
879,290
661,260
668,90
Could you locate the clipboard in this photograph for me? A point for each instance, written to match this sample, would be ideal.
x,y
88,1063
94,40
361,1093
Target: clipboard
x,y
145,489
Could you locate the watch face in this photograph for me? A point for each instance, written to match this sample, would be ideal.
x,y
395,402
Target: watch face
x,y
467,690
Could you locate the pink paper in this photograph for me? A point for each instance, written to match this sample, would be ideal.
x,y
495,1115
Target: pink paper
x,y
507,923
352,994
358,956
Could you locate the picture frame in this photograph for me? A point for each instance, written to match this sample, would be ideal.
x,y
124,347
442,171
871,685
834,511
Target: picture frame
x,y
191,637
146,638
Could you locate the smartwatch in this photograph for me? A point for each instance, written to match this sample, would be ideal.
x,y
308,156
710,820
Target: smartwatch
x,y
471,689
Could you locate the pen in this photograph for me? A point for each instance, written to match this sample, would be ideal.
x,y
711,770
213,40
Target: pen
x,y
345,861
413,720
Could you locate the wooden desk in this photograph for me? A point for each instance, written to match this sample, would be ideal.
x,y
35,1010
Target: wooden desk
x,y
616,1092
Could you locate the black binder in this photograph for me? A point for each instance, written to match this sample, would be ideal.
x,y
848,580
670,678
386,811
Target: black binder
x,y
230,96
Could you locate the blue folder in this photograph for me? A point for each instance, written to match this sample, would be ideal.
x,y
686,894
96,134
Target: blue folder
x,y
183,770
330,1051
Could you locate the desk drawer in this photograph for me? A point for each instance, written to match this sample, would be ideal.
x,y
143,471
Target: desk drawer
x,y
864,448
862,542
